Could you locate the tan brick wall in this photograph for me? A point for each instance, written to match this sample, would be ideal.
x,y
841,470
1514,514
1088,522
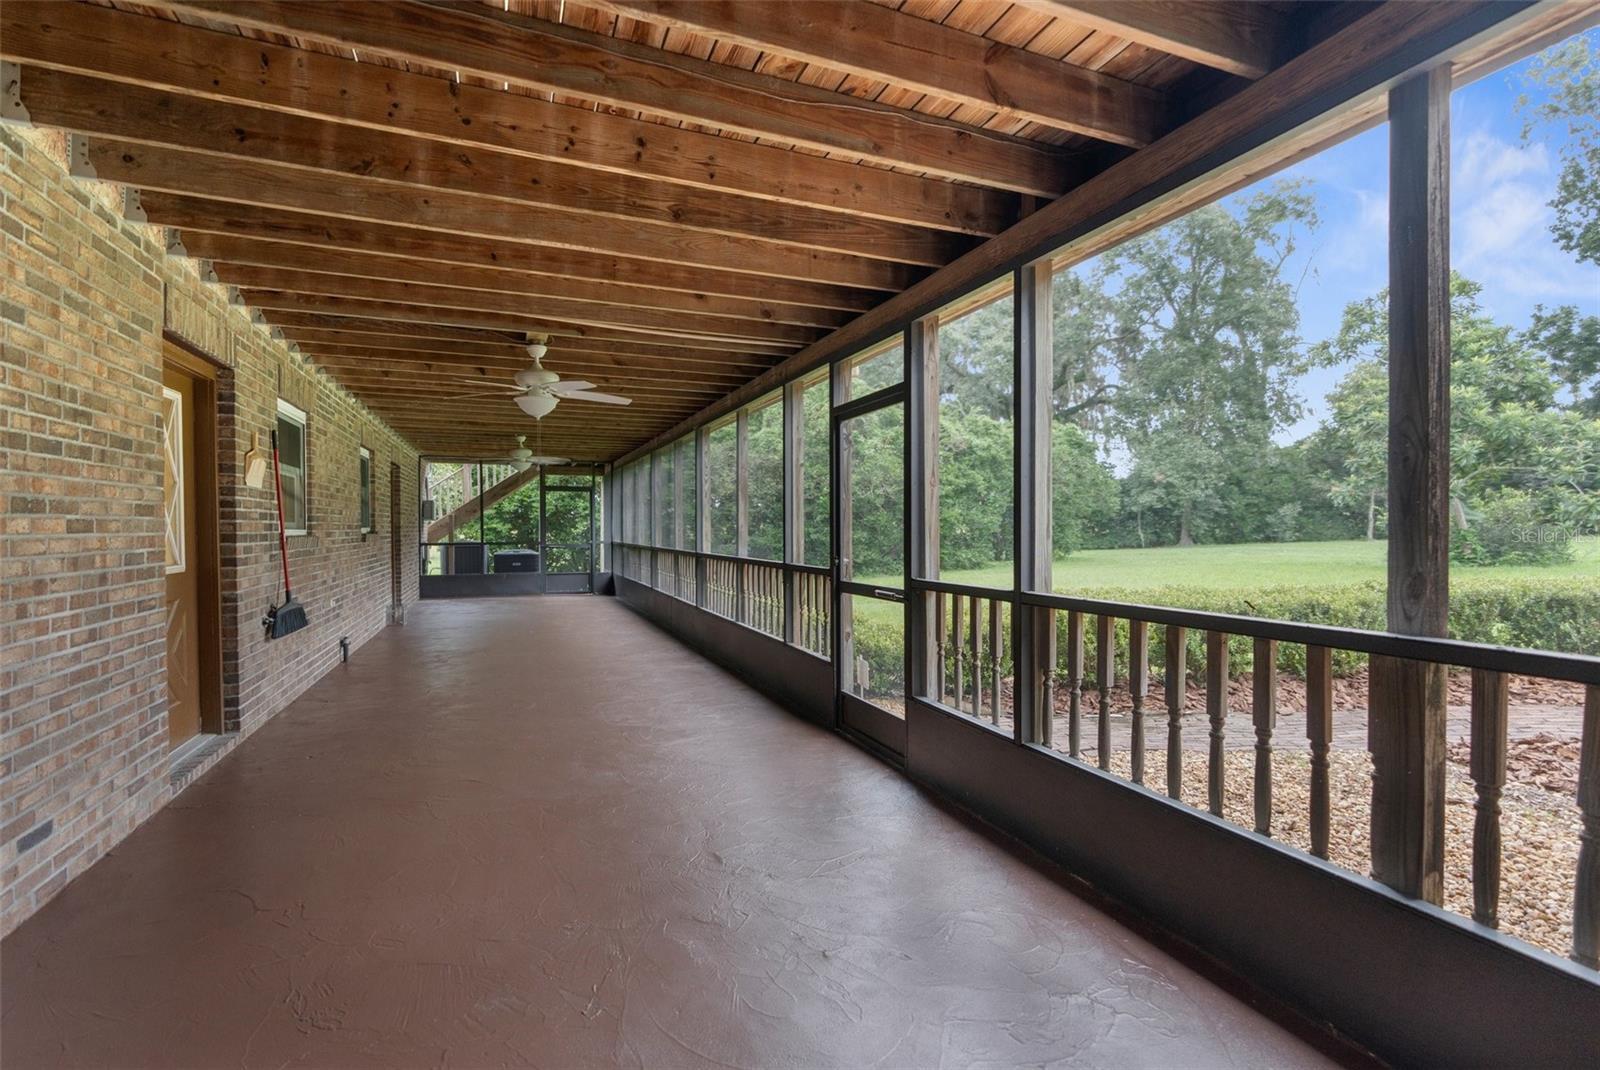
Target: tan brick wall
x,y
83,732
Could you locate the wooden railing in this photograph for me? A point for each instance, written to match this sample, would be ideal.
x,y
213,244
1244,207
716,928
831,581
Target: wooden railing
x,y
786,601
1093,644
971,651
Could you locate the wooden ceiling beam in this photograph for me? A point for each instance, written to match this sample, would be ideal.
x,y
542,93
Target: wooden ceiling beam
x,y
431,363
319,232
596,341
120,45
395,311
247,252
399,345
550,57
883,44
273,186
453,375
1247,39
527,306
314,147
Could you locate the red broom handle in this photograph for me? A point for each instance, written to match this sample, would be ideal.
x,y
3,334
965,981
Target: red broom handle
x,y
283,536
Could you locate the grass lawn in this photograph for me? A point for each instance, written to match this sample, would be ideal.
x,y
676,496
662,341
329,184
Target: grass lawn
x,y
1250,566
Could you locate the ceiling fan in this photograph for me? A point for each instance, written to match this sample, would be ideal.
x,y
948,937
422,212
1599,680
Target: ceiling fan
x,y
538,389
522,458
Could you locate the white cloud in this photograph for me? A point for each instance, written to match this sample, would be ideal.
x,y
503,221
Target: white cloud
x,y
1500,224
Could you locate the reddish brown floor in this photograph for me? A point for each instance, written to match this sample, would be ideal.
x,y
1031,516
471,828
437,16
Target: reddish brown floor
x,y
538,832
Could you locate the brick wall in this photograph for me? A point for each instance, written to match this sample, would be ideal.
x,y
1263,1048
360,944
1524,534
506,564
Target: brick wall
x,y
83,733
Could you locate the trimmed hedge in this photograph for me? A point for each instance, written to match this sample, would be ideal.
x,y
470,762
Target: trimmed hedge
x,y
1549,614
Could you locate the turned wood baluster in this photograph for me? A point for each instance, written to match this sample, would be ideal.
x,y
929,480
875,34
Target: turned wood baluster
x,y
1264,713
976,641
1217,713
1319,730
1586,901
938,644
1138,687
1488,765
1177,685
1105,659
1074,682
1047,709
958,651
994,660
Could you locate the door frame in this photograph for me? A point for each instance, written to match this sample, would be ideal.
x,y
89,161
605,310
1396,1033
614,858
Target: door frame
x,y
854,715
206,483
565,582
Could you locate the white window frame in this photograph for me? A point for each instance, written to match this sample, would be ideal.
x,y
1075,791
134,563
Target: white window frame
x,y
296,415
366,503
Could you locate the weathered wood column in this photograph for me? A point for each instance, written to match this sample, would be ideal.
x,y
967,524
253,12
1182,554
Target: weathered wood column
x,y
794,501
1406,699
1033,379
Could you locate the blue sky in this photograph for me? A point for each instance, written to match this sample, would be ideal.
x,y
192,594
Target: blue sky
x,y
1500,216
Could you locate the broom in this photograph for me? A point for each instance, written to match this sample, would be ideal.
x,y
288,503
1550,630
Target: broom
x,y
291,615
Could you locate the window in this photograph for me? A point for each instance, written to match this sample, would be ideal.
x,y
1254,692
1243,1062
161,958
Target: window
x,y
366,490
811,471
667,496
764,478
873,370
292,467
722,478
975,388
687,507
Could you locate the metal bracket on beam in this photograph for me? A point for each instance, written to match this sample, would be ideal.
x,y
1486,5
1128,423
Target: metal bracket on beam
x,y
175,246
207,272
78,165
235,298
132,206
276,333
12,111
256,315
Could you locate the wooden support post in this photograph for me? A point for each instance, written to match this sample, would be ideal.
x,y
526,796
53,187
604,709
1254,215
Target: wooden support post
x,y
1319,731
1586,897
1138,687
1488,764
925,634
794,503
1105,661
1217,714
1406,705
702,515
1176,683
1264,716
1032,629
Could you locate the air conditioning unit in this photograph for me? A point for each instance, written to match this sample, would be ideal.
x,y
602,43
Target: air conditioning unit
x,y
427,509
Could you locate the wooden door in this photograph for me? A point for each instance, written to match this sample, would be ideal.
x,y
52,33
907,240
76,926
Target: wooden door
x,y
188,459
182,556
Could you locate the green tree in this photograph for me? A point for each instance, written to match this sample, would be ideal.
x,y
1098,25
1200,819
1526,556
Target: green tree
x,y
1567,78
1524,466
1201,330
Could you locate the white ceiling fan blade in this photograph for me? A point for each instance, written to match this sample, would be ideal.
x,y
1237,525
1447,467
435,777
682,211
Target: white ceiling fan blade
x,y
485,394
567,386
604,399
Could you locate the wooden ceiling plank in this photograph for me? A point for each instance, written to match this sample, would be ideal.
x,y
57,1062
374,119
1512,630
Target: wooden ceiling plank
x,y
911,53
227,131
531,306
118,45
242,221
638,367
618,356
246,252
550,57
269,185
1247,39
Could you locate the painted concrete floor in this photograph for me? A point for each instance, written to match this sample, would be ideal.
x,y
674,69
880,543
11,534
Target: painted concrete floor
x,y
539,832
